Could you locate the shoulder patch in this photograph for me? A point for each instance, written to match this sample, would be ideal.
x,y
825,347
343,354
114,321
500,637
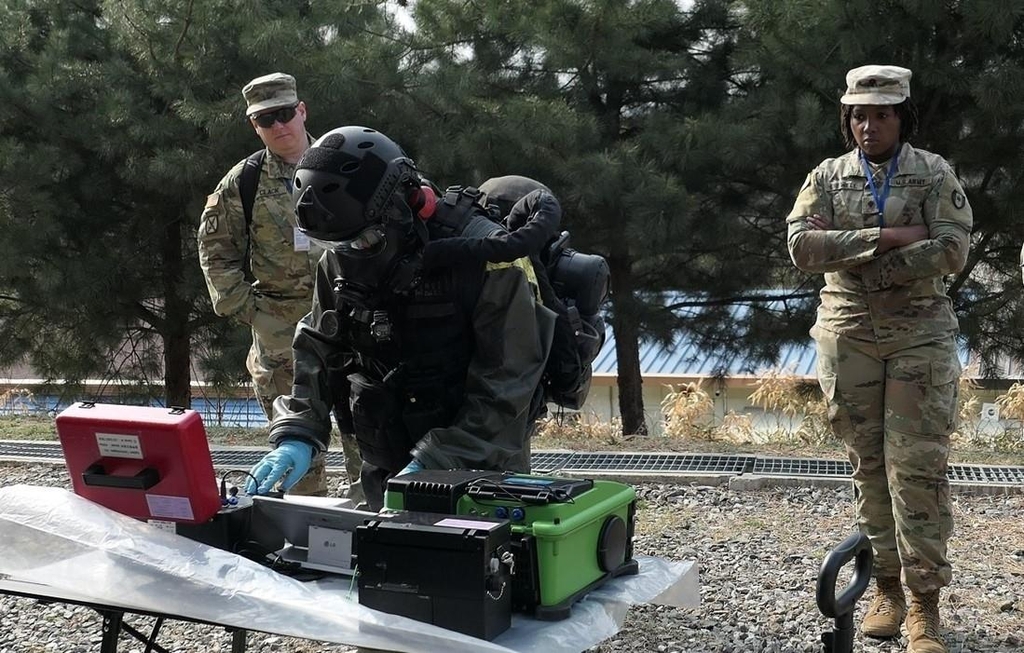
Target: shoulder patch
x,y
958,199
212,200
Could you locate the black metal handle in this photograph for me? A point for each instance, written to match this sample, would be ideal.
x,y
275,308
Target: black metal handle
x,y
96,476
840,607
856,546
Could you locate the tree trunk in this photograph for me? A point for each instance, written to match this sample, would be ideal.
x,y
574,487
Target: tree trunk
x,y
176,333
627,347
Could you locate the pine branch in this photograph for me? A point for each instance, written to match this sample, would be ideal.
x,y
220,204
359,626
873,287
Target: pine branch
x,y
184,30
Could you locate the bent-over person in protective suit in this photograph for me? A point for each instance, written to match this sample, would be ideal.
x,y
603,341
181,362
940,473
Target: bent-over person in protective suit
x,y
441,367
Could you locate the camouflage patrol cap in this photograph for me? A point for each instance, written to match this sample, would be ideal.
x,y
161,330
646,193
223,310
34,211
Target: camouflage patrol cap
x,y
877,85
269,92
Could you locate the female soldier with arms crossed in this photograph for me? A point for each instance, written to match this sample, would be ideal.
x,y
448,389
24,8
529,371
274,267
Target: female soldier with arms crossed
x,y
884,223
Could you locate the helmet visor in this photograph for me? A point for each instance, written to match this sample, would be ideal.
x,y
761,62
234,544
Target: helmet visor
x,y
371,241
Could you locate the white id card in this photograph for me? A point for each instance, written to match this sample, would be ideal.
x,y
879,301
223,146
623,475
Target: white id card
x,y
301,240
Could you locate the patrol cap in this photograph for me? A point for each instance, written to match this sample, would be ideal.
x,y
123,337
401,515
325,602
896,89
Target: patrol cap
x,y
271,91
877,85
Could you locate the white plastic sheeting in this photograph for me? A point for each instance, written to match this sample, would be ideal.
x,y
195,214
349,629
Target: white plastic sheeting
x,y
67,546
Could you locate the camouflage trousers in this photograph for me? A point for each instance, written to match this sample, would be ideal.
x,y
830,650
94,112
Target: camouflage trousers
x,y
270,365
270,359
895,408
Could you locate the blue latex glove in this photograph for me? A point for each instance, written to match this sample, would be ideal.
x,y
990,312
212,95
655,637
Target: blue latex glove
x,y
293,455
413,466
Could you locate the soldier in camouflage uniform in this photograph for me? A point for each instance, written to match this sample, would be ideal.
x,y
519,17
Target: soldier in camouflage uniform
x,y
263,275
884,223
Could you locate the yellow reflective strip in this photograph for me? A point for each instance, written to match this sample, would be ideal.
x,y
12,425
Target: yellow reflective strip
x,y
523,264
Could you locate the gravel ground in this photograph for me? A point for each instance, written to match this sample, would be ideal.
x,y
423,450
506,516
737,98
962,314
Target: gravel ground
x,y
758,552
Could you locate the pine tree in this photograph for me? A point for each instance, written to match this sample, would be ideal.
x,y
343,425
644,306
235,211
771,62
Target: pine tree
x,y
598,100
117,119
968,65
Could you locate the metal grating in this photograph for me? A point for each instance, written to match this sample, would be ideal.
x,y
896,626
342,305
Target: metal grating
x,y
986,474
658,462
243,458
31,450
235,458
334,458
545,462
801,467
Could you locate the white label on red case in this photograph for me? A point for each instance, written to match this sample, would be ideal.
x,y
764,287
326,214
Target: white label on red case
x,y
118,445
165,507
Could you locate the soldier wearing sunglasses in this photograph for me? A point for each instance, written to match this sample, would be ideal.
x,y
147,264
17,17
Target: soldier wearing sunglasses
x,y
259,270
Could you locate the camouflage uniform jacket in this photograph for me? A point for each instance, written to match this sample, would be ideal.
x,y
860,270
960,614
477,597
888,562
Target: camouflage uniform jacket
x,y
281,277
898,295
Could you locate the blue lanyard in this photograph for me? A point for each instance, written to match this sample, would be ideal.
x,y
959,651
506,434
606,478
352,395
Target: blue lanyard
x,y
880,198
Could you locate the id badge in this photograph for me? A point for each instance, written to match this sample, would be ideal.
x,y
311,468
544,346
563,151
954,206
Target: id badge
x,y
300,239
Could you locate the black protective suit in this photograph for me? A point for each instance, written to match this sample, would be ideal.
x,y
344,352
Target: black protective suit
x,y
448,372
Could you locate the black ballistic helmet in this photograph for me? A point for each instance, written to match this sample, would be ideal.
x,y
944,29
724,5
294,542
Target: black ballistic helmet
x,y
346,180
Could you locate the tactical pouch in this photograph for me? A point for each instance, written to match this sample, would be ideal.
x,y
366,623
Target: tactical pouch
x,y
431,410
577,342
383,439
590,338
564,366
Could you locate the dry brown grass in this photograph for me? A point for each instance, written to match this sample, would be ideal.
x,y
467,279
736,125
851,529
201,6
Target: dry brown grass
x,y
688,411
16,401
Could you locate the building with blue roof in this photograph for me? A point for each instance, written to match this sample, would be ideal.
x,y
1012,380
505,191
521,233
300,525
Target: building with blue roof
x,y
730,378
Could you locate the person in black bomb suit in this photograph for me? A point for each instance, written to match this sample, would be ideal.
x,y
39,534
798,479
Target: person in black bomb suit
x,y
437,359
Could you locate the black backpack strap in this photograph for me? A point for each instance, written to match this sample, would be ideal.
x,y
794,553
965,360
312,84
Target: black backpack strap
x,y
248,182
458,203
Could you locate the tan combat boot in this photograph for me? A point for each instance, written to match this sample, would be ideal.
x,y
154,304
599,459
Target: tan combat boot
x,y
923,624
887,609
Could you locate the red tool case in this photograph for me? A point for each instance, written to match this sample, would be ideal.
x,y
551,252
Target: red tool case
x,y
145,462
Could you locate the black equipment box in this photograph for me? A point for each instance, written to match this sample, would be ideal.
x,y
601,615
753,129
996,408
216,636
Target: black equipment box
x,y
433,490
227,530
446,570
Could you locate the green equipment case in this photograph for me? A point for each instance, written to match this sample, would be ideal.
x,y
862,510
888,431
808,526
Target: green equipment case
x,y
569,536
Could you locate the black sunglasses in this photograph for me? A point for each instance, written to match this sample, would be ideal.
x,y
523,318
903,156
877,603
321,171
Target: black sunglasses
x,y
283,115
